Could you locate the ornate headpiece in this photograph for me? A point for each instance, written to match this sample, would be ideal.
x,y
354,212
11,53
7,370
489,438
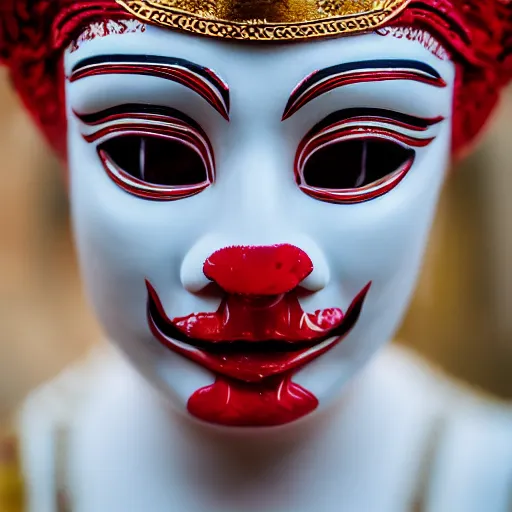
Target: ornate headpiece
x,y
266,20
476,33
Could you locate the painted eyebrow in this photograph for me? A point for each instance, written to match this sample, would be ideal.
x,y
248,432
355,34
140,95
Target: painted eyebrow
x,y
141,111
201,80
325,80
407,121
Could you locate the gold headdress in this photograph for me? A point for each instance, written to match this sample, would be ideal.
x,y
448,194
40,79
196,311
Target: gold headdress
x,y
266,20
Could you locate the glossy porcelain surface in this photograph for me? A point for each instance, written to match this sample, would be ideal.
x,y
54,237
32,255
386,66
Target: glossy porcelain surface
x,y
251,219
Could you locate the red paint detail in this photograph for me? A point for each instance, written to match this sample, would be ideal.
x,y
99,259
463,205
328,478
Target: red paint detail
x,y
355,78
423,37
183,133
239,319
144,190
175,74
171,128
362,119
178,132
260,271
332,134
212,344
105,28
235,404
338,132
359,195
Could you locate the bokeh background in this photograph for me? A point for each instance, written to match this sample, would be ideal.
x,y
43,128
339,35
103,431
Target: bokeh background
x,y
460,317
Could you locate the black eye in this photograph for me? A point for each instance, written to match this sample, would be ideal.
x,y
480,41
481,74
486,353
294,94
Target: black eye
x,y
354,163
353,170
156,160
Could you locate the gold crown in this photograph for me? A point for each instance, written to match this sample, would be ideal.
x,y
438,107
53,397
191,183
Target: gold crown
x,y
266,20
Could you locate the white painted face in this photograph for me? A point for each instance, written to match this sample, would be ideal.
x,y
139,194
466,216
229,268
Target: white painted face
x,y
233,202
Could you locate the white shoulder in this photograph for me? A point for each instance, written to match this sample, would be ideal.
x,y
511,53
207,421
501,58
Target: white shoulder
x,y
43,420
472,468
417,380
468,467
56,401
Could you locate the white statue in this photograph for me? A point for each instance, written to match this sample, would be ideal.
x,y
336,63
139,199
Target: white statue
x,y
250,218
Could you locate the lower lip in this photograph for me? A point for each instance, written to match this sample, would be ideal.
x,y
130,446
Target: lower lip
x,y
276,401
252,367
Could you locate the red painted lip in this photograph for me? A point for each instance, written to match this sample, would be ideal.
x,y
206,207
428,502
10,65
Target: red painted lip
x,y
253,351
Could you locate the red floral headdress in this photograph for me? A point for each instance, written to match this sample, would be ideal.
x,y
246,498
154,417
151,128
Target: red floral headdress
x,y
476,33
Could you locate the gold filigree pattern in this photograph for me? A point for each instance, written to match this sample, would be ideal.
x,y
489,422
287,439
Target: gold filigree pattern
x,y
266,20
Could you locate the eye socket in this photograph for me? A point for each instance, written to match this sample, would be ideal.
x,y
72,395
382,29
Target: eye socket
x,y
156,160
152,152
354,163
355,169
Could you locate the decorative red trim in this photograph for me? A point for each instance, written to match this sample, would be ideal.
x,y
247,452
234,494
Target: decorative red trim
x,y
174,73
170,128
423,37
359,133
342,80
361,120
363,194
339,132
106,28
145,190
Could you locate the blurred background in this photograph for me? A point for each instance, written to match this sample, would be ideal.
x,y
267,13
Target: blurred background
x,y
460,317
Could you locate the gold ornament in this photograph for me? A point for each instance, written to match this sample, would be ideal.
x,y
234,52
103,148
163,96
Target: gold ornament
x,y
266,20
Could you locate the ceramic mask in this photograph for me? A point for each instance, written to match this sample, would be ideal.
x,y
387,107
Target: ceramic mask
x,y
251,220
251,208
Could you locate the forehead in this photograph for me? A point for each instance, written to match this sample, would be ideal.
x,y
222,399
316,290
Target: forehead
x,y
238,60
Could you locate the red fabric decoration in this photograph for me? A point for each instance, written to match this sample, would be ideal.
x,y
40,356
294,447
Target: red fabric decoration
x,y
33,36
477,33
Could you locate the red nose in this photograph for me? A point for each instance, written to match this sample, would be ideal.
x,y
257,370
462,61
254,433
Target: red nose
x,y
263,270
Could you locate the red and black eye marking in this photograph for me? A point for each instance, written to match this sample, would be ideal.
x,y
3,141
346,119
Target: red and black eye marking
x,y
325,80
362,115
135,111
201,80
152,152
355,155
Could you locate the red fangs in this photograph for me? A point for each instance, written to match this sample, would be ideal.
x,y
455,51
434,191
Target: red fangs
x,y
256,339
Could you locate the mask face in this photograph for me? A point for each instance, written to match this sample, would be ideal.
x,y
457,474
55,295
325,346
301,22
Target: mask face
x,y
251,219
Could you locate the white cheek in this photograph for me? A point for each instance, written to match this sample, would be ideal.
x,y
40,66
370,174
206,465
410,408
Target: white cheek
x,y
385,240
122,240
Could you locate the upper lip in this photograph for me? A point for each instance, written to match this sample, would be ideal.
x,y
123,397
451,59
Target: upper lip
x,y
269,339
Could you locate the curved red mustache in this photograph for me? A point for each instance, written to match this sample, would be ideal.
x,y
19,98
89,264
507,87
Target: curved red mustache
x,y
248,342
